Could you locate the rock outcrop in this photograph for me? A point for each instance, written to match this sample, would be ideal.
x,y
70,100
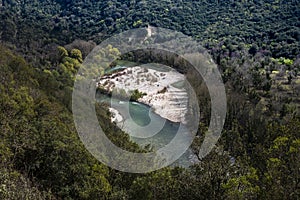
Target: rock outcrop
x,y
167,100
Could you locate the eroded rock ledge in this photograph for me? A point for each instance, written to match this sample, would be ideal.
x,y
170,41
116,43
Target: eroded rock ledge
x,y
168,101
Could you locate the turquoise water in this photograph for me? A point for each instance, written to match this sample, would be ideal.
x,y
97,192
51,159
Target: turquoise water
x,y
145,127
120,64
110,70
156,66
179,84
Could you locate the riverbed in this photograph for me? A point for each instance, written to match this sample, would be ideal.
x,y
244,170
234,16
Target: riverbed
x,y
161,131
144,124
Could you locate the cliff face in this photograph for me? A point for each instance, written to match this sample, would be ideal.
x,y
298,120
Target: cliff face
x,y
171,105
167,100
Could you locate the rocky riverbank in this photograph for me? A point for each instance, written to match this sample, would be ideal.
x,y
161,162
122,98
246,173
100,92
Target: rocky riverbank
x,y
168,101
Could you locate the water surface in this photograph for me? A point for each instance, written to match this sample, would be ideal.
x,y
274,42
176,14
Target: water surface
x,y
138,118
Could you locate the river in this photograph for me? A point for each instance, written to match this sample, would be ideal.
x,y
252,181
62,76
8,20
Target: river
x,y
144,126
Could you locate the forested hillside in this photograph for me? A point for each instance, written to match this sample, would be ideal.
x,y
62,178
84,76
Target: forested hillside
x,y
256,45
270,24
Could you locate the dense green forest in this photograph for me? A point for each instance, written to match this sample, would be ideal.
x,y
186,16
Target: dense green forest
x,y
256,45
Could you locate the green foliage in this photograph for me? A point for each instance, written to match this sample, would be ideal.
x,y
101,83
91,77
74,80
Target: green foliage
x,y
254,45
283,163
243,187
137,23
39,23
284,61
136,94
157,185
76,53
38,129
62,52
